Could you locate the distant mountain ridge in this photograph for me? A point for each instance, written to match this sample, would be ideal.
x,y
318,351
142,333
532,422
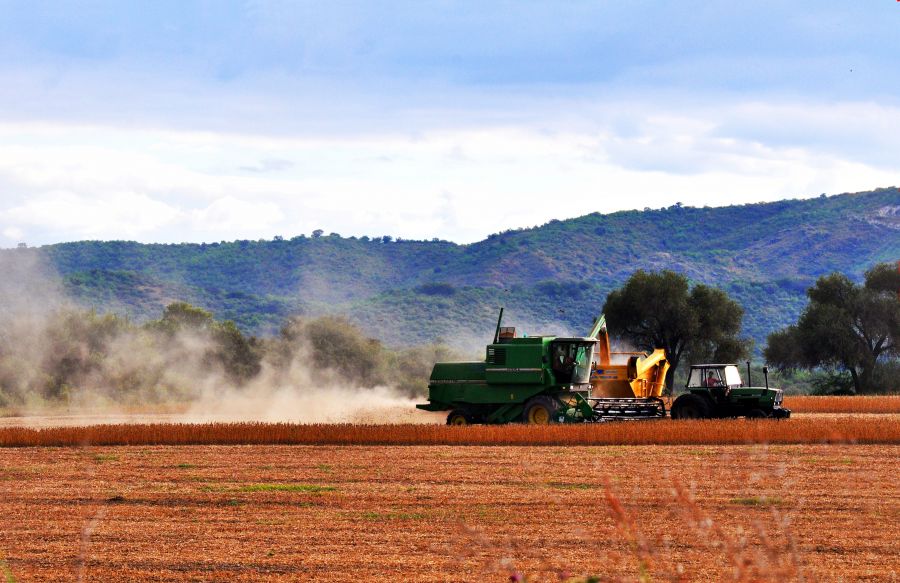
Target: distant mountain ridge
x,y
551,278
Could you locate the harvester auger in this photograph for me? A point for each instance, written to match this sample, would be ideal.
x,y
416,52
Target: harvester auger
x,y
548,379
633,386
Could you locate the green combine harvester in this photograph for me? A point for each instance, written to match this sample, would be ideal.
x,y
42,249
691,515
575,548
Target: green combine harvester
x,y
536,380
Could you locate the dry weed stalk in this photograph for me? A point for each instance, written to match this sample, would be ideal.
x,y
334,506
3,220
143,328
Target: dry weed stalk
x,y
86,532
644,552
757,560
501,557
772,562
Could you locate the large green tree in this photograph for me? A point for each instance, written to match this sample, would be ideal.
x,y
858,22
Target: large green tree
x,y
662,310
845,327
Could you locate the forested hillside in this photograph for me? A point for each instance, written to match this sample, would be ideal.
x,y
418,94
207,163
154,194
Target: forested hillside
x,y
552,278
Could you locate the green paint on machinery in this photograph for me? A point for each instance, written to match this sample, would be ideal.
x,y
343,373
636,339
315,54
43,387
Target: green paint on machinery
x,y
547,379
537,379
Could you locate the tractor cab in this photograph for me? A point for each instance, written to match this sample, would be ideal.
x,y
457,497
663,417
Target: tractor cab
x,y
714,376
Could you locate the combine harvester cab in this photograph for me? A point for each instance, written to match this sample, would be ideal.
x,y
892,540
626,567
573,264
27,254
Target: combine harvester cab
x,y
536,380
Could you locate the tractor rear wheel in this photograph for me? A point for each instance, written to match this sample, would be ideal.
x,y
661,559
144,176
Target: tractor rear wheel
x,y
756,414
691,406
460,417
540,410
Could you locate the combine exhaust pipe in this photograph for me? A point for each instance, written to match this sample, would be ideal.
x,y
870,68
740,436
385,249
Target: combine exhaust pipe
x,y
497,331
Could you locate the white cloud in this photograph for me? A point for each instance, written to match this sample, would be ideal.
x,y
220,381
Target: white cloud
x,y
125,215
231,215
64,182
13,233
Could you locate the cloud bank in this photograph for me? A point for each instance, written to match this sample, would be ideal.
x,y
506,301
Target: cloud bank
x,y
170,122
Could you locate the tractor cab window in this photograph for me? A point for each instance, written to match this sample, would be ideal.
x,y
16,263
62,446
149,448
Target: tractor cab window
x,y
714,377
571,361
707,378
733,377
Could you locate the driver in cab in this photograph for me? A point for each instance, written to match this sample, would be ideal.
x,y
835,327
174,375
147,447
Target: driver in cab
x,y
711,381
564,360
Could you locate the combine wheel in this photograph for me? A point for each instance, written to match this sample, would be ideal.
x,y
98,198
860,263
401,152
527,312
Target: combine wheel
x,y
691,406
540,411
756,414
460,417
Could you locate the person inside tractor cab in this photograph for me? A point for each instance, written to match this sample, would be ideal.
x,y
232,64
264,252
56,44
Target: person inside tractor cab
x,y
712,381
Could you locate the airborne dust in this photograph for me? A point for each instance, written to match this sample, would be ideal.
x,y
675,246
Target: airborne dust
x,y
62,364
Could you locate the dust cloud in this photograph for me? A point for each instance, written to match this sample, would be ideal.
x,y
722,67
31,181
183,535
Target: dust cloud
x,y
621,351
29,293
61,364
299,393
374,405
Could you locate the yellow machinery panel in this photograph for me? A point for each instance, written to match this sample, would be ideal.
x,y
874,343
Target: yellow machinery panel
x,y
642,375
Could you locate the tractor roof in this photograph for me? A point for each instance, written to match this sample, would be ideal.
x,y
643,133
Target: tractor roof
x,y
711,365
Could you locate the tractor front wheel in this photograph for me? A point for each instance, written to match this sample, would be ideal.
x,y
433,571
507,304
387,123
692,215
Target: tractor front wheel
x,y
460,417
691,406
756,414
540,411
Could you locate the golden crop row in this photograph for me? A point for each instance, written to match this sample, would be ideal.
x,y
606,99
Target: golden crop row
x,y
663,432
854,404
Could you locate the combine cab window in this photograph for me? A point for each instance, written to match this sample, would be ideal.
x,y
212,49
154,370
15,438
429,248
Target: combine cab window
x,y
571,362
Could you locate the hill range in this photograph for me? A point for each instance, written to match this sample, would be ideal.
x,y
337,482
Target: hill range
x,y
552,279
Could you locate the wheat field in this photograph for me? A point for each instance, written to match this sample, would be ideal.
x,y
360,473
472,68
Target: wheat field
x,y
850,429
843,404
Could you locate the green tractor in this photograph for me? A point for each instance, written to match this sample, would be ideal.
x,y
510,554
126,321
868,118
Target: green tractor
x,y
717,391
535,380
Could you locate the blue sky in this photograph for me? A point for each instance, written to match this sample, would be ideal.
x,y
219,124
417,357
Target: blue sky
x,y
202,121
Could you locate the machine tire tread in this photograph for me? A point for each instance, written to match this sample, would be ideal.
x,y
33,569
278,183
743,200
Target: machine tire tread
x,y
544,401
465,414
691,406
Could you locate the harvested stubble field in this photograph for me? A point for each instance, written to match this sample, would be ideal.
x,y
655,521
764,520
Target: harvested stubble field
x,y
879,430
444,513
843,404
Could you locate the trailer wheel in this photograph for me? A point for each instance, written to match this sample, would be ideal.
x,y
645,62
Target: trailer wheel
x,y
459,417
539,411
691,406
756,414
